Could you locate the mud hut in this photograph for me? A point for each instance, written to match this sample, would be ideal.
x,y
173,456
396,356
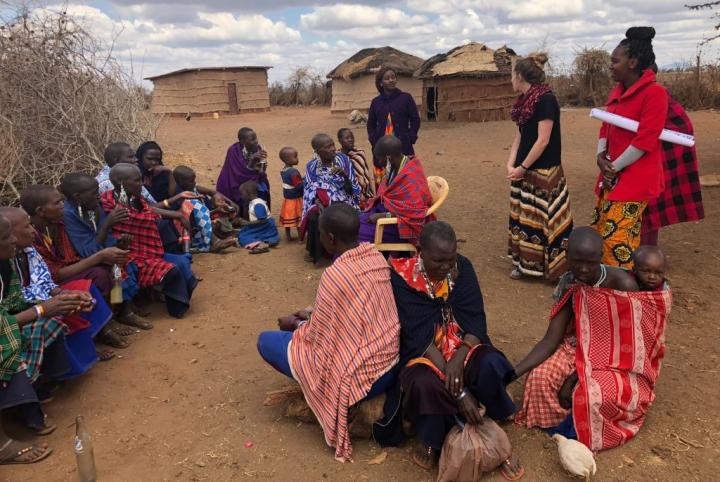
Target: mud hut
x,y
353,81
202,91
468,83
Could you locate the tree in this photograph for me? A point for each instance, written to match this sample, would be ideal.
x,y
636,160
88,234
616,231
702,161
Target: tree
x,y
708,6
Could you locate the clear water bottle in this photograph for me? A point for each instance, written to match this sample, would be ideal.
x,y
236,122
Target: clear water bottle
x,y
84,452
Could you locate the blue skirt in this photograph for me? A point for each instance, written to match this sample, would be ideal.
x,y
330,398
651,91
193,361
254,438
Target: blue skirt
x,y
266,232
80,346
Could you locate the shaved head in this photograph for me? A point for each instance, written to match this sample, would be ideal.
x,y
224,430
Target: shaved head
x,y
319,140
585,242
13,214
388,146
437,233
123,171
342,221
645,252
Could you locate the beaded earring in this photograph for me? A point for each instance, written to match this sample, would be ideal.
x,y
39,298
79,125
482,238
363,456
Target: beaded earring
x,y
123,197
418,269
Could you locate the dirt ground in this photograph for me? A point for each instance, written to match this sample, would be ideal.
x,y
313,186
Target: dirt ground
x,y
186,398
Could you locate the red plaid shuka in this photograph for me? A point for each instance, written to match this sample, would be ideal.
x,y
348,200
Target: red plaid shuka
x,y
146,248
681,200
407,197
57,252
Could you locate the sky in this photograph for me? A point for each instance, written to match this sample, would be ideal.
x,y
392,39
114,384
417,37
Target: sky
x,y
156,37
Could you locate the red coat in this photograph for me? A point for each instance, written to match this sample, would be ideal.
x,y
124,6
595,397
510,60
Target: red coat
x,y
646,102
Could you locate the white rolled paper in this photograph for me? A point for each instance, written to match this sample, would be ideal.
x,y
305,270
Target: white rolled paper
x,y
666,135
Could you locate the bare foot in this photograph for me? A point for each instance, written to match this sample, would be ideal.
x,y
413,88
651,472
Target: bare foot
x,y
512,469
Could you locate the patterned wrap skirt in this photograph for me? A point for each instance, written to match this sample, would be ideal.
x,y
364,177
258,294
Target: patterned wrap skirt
x,y
540,223
620,225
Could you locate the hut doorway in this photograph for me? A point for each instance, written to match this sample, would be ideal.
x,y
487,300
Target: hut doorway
x,y
232,98
430,102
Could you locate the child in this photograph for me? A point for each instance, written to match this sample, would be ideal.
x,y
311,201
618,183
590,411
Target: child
x,y
198,210
259,232
650,267
292,181
224,217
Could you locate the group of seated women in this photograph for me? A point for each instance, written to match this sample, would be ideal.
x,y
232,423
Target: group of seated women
x,y
73,259
414,329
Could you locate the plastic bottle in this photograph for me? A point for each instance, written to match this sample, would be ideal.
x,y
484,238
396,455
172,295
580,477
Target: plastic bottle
x,y
116,293
84,452
186,241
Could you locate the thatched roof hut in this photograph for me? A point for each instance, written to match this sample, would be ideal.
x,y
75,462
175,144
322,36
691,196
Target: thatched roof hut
x,y
226,90
468,83
353,81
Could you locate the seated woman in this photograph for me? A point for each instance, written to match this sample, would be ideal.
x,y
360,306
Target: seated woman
x,y
365,175
403,193
346,350
168,273
329,178
449,366
114,153
38,286
246,160
574,387
46,208
31,349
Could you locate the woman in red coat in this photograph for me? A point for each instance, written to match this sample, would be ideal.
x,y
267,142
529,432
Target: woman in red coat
x,y
631,172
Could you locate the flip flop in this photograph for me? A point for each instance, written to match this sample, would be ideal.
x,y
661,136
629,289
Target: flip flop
x,y
505,467
421,456
106,355
259,250
44,430
112,339
16,457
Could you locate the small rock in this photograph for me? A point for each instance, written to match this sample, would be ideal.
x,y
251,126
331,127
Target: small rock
x,y
194,360
200,463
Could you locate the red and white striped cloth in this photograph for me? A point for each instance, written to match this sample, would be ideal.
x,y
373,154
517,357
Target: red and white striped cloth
x,y
620,346
350,341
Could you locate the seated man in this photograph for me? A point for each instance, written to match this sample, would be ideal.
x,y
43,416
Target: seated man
x,y
403,193
346,349
449,365
575,386
166,272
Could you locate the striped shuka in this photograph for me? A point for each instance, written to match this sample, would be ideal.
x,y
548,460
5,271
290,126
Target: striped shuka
x,y
351,340
540,223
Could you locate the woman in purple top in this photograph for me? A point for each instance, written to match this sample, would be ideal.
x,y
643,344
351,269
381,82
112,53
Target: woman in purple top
x,y
246,160
393,112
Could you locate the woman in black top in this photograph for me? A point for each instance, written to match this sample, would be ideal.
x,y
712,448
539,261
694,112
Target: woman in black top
x,y
540,217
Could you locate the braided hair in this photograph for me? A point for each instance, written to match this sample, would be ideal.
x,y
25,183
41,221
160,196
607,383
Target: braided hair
x,y
638,45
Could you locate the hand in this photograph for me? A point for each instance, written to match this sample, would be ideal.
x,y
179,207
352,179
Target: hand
x,y
63,304
605,165
470,410
510,167
517,174
288,323
124,242
157,169
189,195
118,215
113,255
374,218
454,372
565,392
257,156
183,220
338,170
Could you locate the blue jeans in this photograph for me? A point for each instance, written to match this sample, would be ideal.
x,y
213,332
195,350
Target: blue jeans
x,y
273,348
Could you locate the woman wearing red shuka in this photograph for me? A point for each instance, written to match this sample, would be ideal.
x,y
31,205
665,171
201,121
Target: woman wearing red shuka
x,y
631,172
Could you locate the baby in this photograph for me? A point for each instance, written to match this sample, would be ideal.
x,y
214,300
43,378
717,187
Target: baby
x,y
292,181
650,267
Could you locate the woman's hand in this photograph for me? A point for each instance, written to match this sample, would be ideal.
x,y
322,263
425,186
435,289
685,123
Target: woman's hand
x,y
566,390
606,168
124,242
454,372
63,304
510,167
113,255
118,215
338,170
470,409
182,219
517,173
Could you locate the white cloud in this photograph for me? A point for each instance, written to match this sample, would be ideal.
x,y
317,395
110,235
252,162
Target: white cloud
x,y
352,17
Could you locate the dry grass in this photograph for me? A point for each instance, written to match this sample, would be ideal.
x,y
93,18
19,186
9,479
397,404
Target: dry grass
x,y
63,98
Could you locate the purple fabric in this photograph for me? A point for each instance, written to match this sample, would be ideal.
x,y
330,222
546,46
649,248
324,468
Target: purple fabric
x,y
367,229
405,116
235,171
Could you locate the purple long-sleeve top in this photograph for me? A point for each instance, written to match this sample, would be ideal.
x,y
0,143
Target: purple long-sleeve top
x,y
405,116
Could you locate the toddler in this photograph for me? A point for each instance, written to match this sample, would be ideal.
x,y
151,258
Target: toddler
x,y
292,182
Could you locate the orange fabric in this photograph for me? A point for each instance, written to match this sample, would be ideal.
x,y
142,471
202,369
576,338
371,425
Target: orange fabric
x,y
620,225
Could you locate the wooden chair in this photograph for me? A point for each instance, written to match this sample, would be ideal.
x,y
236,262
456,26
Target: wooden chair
x,y
439,190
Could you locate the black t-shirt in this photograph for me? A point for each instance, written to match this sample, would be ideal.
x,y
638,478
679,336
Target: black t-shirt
x,y
547,107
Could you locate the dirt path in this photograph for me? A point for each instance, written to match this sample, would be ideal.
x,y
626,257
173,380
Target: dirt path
x,y
185,398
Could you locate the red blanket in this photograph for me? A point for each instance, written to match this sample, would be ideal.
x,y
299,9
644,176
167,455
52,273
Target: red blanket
x,y
146,248
408,198
620,344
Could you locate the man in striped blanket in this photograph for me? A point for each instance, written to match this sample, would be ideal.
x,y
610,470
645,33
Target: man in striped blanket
x,y
594,372
346,349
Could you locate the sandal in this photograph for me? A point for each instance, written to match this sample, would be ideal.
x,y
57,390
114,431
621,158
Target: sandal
x,y
120,329
506,471
44,429
112,339
29,454
260,250
424,457
106,355
131,319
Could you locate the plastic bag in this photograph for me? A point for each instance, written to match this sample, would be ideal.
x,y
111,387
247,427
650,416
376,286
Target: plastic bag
x,y
470,450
